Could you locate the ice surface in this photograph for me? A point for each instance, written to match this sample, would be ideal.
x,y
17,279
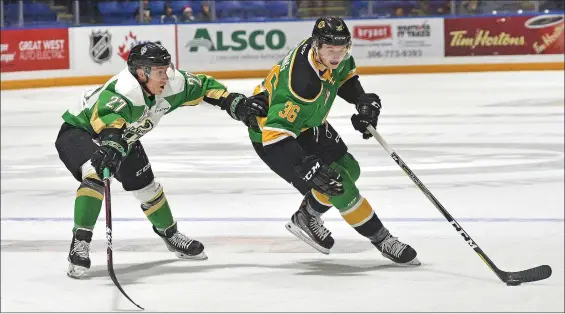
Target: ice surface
x,y
489,146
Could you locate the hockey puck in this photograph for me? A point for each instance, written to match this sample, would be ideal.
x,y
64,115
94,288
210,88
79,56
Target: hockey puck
x,y
513,283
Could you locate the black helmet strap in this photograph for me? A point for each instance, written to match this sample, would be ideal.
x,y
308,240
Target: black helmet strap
x,y
147,71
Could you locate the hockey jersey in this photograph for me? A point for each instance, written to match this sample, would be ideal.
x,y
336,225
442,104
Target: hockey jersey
x,y
121,102
300,94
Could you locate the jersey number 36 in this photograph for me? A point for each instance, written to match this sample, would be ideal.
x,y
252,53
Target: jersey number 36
x,y
290,111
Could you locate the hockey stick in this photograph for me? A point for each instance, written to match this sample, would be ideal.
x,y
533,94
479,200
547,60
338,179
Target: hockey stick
x,y
109,251
510,278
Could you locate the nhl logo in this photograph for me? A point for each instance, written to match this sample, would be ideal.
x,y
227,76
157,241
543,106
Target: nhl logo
x,y
100,46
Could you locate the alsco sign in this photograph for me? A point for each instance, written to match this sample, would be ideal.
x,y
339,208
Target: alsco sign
x,y
237,40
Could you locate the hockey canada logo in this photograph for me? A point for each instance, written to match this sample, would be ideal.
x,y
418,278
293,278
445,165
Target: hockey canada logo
x,y
100,46
130,41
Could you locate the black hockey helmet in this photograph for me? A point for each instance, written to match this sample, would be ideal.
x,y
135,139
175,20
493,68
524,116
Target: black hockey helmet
x,y
147,55
331,30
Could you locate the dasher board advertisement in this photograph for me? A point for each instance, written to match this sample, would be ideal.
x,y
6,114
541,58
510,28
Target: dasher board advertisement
x,y
238,46
105,49
376,41
511,35
34,49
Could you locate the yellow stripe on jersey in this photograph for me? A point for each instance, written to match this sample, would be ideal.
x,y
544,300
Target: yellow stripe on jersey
x,y
257,90
217,93
261,121
118,124
351,74
98,125
327,72
273,135
193,102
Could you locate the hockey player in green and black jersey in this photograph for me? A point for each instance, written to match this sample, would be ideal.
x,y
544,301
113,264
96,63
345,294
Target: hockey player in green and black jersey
x,y
298,144
104,132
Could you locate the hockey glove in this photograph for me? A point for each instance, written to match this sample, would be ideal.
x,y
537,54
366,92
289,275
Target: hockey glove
x,y
320,177
369,108
246,109
112,151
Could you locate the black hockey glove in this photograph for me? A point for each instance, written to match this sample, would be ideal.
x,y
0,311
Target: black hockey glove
x,y
369,108
112,151
320,177
246,109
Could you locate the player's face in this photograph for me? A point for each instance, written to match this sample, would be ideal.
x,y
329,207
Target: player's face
x,y
331,56
158,78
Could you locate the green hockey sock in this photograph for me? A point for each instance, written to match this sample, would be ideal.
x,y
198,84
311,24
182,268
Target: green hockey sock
x,y
158,212
88,203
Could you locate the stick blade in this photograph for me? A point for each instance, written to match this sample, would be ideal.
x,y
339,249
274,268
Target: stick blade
x,y
533,274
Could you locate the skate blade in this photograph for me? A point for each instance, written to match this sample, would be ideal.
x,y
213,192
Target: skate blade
x,y
294,229
76,271
200,257
413,263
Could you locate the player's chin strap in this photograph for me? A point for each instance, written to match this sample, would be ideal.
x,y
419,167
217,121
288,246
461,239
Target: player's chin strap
x,y
144,84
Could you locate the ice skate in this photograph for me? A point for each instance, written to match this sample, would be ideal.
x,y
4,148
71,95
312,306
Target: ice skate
x,y
398,252
79,260
310,229
181,245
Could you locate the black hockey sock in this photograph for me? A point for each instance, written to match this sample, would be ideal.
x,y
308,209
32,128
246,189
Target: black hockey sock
x,y
380,235
315,207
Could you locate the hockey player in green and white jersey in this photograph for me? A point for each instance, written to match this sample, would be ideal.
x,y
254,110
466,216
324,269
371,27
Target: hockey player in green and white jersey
x,y
104,132
298,144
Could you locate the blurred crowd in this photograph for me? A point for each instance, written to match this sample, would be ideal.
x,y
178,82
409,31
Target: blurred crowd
x,y
93,12
169,16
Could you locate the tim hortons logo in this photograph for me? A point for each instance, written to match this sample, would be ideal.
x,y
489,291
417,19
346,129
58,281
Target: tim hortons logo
x,y
548,39
372,32
484,39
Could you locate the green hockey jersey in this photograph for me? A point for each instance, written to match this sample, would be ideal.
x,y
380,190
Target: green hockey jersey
x,y
121,102
300,94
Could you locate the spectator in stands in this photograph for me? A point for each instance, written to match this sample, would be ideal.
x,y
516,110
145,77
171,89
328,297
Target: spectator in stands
x,y
168,17
469,7
205,14
445,8
552,5
528,5
146,13
399,12
423,9
187,16
146,17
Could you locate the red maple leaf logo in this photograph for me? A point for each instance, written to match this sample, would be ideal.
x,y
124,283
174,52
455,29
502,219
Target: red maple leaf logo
x,y
124,49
